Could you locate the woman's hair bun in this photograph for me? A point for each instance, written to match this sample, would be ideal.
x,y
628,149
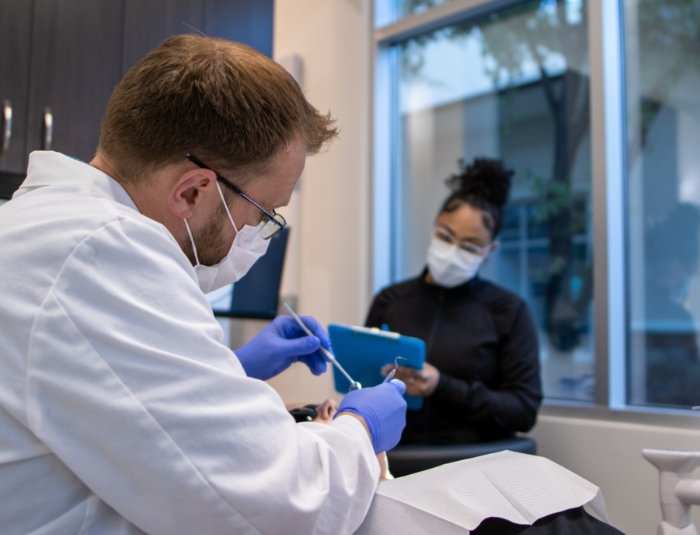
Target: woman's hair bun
x,y
486,179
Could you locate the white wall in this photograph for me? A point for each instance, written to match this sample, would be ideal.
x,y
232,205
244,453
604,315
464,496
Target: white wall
x,y
608,453
334,40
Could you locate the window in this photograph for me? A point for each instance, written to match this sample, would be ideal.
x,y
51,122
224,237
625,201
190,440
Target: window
x,y
513,84
663,201
389,11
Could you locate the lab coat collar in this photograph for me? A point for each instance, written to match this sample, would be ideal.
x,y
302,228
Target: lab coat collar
x,y
49,168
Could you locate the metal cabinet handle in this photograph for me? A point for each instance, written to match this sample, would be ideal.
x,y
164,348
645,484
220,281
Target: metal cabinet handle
x,y
48,129
7,126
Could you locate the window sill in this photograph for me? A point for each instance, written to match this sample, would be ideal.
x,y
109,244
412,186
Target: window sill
x,y
629,414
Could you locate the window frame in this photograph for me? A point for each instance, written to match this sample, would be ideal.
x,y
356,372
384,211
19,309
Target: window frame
x,y
608,164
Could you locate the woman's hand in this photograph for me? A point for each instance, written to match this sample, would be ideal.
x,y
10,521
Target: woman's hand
x,y
418,382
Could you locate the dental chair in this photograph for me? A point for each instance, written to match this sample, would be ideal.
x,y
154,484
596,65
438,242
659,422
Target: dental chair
x,y
679,489
412,458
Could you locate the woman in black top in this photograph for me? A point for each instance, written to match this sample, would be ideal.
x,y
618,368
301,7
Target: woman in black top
x,y
481,379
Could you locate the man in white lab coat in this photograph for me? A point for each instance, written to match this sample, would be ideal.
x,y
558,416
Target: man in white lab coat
x,y
121,410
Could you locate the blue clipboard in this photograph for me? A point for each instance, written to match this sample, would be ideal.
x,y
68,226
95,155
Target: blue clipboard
x,y
363,351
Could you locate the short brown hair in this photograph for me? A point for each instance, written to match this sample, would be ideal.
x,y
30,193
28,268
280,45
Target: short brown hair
x,y
227,103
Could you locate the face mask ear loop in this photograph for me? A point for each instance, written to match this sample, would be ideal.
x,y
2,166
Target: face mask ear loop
x,y
228,213
194,247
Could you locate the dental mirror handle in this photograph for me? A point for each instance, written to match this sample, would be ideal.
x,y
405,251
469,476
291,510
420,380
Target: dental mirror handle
x,y
354,385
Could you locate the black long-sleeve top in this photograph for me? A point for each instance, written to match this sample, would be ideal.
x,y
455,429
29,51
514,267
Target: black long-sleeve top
x,y
483,341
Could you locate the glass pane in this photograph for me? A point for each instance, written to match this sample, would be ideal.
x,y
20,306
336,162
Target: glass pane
x,y
394,10
663,214
513,85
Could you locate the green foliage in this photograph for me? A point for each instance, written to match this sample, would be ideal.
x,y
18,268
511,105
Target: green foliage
x,y
668,43
416,6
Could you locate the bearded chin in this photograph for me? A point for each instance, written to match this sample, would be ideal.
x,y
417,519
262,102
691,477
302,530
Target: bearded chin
x,y
208,240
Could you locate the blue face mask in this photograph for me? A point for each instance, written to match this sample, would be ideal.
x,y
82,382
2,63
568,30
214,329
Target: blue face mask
x,y
247,247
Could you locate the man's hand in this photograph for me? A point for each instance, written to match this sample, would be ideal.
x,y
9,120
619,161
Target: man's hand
x,y
280,344
383,410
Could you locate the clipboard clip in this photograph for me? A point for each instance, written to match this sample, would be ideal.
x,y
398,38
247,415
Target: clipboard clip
x,y
375,331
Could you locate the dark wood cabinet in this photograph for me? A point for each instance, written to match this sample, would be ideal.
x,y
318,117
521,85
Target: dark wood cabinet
x,y
60,60
148,22
246,21
15,52
76,62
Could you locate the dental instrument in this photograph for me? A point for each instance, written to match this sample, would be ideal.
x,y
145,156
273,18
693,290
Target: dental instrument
x,y
392,373
354,385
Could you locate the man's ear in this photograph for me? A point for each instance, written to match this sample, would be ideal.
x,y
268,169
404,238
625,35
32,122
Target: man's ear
x,y
187,191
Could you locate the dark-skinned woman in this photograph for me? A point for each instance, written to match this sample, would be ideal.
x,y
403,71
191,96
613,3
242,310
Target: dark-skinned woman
x,y
481,379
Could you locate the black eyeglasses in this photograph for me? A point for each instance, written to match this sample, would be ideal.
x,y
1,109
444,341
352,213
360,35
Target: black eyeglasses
x,y
274,222
469,247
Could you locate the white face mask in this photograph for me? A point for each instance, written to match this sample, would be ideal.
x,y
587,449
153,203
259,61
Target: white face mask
x,y
247,247
451,266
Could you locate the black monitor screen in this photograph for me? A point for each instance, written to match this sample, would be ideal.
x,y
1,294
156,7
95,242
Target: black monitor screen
x,y
256,295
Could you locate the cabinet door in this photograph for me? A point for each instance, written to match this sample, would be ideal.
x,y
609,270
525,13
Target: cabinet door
x,y
149,22
15,33
245,21
76,62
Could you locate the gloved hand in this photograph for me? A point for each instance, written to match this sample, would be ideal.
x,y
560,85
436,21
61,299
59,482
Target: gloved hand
x,y
280,344
384,410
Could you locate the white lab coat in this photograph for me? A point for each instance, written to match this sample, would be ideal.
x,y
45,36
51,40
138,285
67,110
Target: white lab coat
x,y
121,411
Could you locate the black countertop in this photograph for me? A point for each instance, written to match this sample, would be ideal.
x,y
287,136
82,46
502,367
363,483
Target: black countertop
x,y
9,182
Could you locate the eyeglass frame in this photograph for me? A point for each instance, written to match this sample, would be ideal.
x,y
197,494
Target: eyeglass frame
x,y
280,223
468,247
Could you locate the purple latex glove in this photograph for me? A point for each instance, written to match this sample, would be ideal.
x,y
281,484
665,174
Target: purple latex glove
x,y
280,344
383,409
